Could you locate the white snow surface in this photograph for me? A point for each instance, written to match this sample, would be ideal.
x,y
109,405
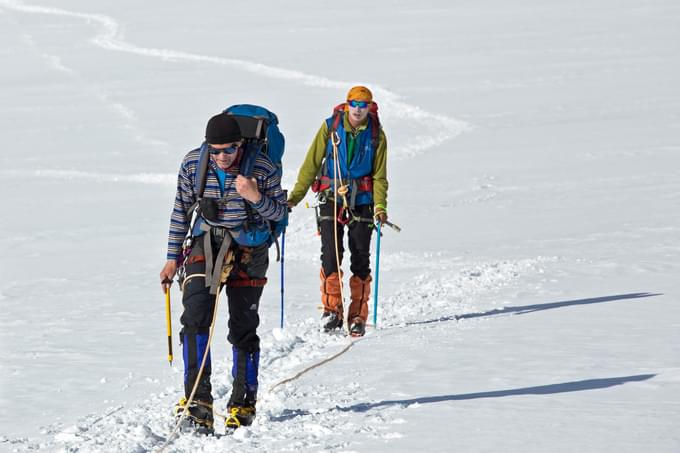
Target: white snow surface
x,y
530,303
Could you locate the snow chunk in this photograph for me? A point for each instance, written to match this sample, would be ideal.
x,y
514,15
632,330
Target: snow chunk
x,y
67,434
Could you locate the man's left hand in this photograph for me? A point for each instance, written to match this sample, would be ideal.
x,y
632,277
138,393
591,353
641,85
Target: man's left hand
x,y
247,188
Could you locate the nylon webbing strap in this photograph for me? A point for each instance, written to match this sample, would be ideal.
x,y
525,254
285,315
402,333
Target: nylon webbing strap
x,y
216,278
213,267
278,249
353,189
352,219
207,249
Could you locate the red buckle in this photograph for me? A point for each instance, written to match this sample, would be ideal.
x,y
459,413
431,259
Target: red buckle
x,y
244,283
365,184
344,216
195,259
321,184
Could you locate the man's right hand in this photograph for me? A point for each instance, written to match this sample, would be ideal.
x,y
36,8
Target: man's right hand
x,y
291,205
167,274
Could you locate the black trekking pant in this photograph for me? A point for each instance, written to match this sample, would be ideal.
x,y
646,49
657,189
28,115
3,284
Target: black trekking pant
x,y
250,268
359,239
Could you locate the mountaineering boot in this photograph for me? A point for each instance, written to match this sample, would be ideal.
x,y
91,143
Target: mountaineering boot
x,y
357,328
331,297
243,398
360,290
199,415
330,321
239,416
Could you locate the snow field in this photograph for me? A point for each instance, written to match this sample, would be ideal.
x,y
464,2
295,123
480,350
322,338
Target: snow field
x,y
528,304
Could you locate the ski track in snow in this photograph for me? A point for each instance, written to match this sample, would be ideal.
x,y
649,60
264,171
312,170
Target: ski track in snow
x,y
125,114
440,128
304,414
75,175
298,415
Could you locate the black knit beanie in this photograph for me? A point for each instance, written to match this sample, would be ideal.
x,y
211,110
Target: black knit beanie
x,y
222,129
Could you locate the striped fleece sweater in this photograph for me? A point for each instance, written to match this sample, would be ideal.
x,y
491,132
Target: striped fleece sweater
x,y
231,207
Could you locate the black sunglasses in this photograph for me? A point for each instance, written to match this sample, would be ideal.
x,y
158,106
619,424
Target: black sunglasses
x,y
230,150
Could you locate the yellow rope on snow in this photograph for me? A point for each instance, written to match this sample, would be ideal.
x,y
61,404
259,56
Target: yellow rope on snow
x,y
200,372
311,367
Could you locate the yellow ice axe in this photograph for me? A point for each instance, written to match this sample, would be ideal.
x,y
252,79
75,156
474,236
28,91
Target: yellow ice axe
x,y
168,319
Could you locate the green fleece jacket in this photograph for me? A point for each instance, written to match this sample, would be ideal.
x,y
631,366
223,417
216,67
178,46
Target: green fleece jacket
x,y
317,151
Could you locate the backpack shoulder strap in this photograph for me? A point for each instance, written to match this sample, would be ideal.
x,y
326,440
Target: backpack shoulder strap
x,y
375,124
247,164
251,149
338,115
201,171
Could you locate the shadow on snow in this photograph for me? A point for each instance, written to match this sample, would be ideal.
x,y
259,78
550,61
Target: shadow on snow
x,y
521,310
565,387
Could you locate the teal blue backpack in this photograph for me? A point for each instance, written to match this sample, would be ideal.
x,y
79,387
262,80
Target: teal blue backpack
x,y
261,134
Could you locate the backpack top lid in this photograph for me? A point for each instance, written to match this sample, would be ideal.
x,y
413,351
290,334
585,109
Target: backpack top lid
x,y
252,128
260,128
253,120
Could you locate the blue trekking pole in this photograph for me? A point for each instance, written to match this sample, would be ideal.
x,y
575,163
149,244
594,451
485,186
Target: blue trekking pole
x,y
283,249
377,278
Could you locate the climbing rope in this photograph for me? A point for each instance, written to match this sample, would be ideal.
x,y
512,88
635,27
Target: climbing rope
x,y
184,283
335,140
311,367
342,191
